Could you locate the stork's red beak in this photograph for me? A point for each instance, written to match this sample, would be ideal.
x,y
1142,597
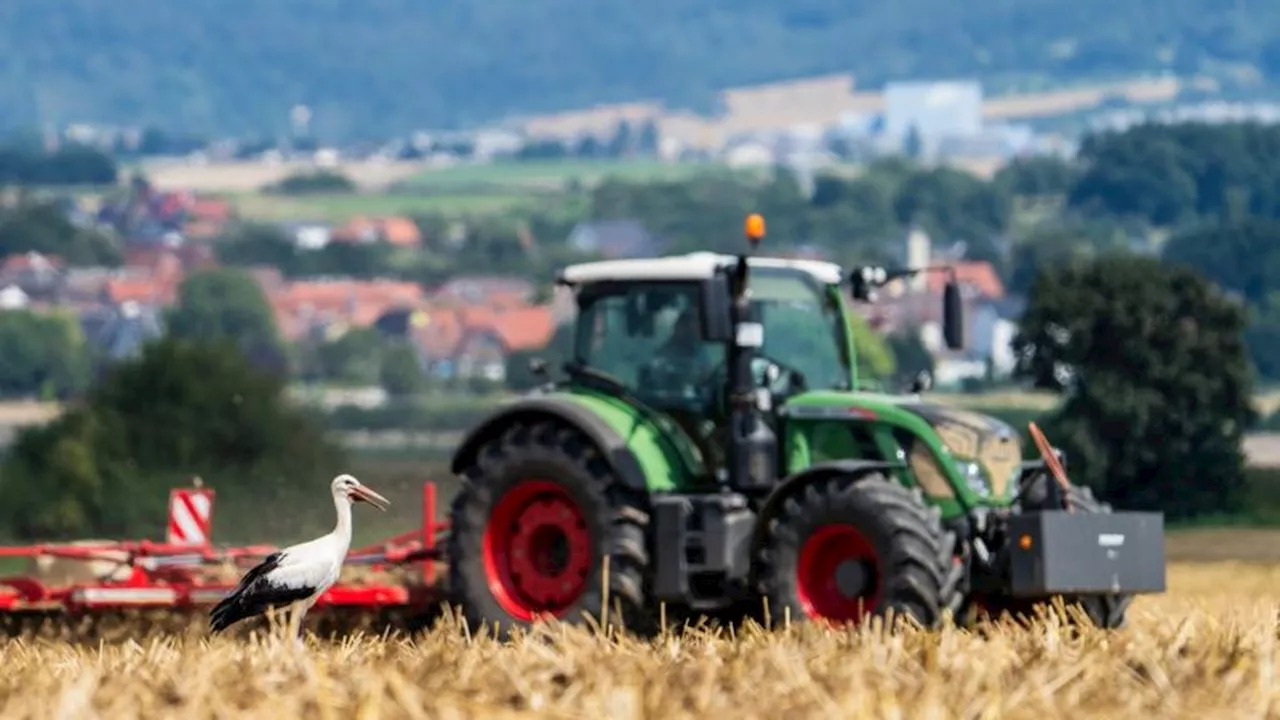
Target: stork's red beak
x,y
363,494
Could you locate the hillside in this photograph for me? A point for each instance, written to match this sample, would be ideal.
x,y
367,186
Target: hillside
x,y
394,65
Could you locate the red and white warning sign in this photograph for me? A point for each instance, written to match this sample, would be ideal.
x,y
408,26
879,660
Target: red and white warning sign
x,y
190,517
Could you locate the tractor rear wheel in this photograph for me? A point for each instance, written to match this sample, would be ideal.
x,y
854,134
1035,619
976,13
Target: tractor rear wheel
x,y
1103,611
531,526
845,549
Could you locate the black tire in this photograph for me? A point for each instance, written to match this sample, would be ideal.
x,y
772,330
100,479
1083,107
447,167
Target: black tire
x,y
1103,611
614,517
914,570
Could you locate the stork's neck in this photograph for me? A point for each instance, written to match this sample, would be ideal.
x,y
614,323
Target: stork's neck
x,y
343,529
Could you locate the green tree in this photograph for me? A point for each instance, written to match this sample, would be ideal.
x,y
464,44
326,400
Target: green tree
x,y
42,226
952,204
1171,174
355,357
70,165
1156,379
311,183
1244,257
179,408
43,355
401,374
1037,176
256,244
227,303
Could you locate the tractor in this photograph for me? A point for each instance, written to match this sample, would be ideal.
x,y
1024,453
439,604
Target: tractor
x,y
710,448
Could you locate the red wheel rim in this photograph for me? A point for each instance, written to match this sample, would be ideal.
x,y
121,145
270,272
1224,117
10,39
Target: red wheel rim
x,y
838,575
537,550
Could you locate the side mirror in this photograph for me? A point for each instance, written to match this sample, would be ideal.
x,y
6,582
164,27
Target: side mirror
x,y
952,316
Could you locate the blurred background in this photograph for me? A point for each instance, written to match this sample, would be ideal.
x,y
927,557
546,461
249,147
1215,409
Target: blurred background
x,y
263,243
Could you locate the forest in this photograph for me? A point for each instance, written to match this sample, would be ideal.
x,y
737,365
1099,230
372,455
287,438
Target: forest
x,y
237,67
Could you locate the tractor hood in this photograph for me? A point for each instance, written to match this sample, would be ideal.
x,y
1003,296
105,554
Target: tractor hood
x,y
988,451
973,437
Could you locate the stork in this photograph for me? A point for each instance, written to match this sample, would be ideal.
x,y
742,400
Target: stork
x,y
298,575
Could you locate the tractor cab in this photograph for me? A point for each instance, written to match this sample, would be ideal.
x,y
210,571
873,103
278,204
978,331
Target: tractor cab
x,y
696,336
659,327
660,330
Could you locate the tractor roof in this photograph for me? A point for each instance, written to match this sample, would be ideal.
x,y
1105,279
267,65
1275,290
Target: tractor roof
x,y
694,266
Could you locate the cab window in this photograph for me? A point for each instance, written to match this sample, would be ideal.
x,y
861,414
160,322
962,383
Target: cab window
x,y
804,327
649,339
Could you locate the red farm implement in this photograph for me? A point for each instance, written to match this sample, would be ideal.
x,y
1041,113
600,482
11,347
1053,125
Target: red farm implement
x,y
187,572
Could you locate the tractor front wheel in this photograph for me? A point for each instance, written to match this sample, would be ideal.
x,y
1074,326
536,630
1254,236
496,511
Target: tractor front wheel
x,y
845,549
531,526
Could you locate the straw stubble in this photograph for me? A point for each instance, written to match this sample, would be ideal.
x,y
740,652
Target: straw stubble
x,y
1207,648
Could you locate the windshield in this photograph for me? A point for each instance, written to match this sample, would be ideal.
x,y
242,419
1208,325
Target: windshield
x,y
803,326
648,338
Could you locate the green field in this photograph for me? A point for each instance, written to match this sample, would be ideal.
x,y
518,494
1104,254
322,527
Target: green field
x,y
464,190
551,174
340,207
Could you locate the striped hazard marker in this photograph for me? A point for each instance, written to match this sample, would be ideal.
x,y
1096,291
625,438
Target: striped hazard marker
x,y
190,517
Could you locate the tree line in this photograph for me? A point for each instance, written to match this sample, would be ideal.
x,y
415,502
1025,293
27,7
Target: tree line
x,y
553,57
72,164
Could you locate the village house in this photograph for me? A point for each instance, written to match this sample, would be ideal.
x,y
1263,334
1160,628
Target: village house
x,y
490,290
915,306
37,276
119,331
13,298
394,230
475,342
147,216
303,306
308,234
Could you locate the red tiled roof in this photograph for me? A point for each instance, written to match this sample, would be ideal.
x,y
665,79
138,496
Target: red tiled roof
x,y
394,230
981,276
28,261
210,209
442,330
142,290
346,302
525,329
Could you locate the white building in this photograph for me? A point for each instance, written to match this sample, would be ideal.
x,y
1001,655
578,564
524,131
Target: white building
x,y
936,110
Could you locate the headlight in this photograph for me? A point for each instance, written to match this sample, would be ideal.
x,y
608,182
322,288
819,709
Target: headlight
x,y
977,482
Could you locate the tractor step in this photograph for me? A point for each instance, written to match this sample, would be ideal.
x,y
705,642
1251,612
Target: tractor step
x,y
1058,552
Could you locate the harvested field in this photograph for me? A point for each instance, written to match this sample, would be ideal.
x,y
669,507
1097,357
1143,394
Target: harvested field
x,y
250,176
1206,649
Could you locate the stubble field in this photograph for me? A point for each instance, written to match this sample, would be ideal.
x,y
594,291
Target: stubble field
x,y
1206,649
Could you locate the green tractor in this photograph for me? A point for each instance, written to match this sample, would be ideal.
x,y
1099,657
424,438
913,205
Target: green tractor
x,y
711,450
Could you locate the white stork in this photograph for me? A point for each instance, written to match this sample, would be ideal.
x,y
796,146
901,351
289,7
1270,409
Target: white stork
x,y
296,576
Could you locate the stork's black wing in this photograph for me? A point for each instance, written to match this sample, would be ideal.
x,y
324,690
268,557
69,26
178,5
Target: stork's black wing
x,y
254,595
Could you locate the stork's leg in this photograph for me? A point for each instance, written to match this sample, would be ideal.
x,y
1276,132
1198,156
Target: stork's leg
x,y
299,612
